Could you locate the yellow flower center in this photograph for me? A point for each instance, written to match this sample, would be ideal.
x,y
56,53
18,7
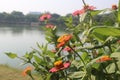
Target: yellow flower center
x,y
58,64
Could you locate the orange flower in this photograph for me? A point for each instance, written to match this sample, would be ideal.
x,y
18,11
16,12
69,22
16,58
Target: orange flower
x,y
60,44
27,70
68,37
114,7
59,65
64,38
104,58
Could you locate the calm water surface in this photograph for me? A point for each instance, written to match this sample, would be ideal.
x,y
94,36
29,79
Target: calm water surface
x,y
18,40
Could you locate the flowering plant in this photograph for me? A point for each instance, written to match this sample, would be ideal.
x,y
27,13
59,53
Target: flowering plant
x,y
87,50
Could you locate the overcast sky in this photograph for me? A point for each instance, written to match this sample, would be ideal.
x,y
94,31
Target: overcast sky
x,y
61,7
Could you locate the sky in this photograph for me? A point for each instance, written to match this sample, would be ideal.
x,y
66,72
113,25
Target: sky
x,y
61,7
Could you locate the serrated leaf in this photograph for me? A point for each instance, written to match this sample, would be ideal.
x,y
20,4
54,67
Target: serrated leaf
x,y
11,55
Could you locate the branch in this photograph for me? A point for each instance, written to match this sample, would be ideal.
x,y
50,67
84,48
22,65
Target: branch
x,y
100,46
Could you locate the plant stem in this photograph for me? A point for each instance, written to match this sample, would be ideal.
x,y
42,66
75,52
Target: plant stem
x,y
104,68
117,69
109,46
58,53
78,55
119,13
84,2
65,74
31,77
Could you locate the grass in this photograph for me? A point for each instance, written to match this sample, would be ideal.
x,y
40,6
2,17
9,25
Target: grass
x,y
8,73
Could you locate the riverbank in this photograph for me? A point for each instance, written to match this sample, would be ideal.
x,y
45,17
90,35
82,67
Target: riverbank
x,y
9,73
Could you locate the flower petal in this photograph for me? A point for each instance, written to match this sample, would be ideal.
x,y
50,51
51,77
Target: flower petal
x,y
67,64
54,69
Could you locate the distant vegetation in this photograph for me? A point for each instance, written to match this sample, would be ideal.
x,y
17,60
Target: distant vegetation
x,y
17,17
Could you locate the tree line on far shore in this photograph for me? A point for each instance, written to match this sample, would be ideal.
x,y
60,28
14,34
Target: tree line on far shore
x,y
17,17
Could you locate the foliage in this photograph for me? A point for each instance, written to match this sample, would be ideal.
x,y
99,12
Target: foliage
x,y
87,50
17,17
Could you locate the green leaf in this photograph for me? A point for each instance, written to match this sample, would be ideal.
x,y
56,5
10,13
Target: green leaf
x,y
107,31
116,55
78,74
77,64
85,57
92,64
26,55
111,68
48,76
11,55
99,36
41,77
102,33
118,49
31,54
37,59
119,14
95,12
50,54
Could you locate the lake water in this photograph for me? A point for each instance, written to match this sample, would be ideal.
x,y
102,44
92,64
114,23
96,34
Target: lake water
x,y
18,40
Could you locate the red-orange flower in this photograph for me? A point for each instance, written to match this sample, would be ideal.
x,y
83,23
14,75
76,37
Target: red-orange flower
x,y
78,12
114,7
83,10
45,17
87,7
67,49
104,58
26,71
59,65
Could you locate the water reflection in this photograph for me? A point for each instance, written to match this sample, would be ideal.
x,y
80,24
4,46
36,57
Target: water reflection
x,y
18,40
